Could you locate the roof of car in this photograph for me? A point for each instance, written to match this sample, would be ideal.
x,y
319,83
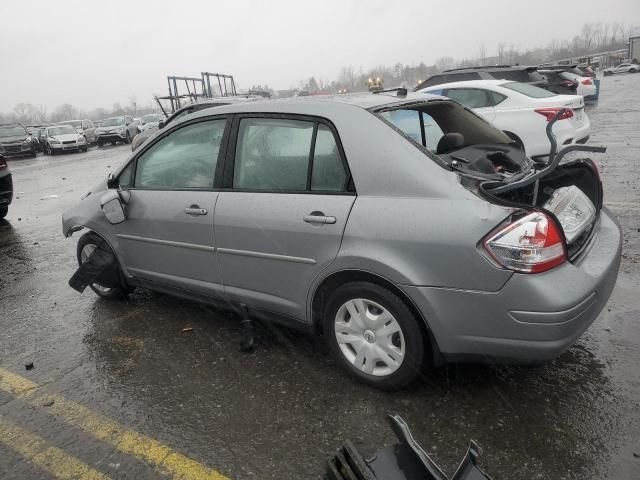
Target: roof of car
x,y
467,83
308,105
490,67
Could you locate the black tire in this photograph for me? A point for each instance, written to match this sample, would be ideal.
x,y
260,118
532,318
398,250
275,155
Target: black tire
x,y
4,210
85,149
100,143
91,238
632,70
127,138
114,143
414,338
52,152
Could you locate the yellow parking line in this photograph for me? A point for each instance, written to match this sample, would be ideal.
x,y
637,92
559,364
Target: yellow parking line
x,y
104,429
49,458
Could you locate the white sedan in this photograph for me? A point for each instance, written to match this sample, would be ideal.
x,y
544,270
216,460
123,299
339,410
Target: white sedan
x,y
622,68
522,111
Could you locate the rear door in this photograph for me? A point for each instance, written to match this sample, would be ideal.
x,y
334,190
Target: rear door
x,y
167,237
280,217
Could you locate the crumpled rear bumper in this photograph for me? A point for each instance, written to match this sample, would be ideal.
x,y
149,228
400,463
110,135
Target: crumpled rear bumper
x,y
533,318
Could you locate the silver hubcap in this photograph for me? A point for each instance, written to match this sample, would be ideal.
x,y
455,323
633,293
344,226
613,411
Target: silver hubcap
x,y
369,337
86,252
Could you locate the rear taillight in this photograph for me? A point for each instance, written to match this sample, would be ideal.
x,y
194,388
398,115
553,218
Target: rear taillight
x,y
569,84
551,112
587,81
529,244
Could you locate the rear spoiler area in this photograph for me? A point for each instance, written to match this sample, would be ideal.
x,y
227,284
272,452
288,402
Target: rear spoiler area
x,y
405,460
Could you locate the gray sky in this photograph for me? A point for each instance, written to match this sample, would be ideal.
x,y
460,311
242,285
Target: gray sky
x,y
94,53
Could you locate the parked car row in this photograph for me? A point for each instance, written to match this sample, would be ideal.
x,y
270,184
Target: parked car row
x,y
628,67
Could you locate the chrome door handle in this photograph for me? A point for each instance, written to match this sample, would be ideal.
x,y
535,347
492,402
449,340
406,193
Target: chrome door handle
x,y
195,210
320,219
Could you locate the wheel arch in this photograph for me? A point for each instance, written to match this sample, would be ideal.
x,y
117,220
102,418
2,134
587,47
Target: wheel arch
x,y
334,279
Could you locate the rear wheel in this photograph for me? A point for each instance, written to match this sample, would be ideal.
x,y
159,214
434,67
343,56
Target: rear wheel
x,y
87,244
100,143
632,70
374,335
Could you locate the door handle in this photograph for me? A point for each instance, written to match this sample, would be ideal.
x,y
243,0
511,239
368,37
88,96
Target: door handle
x,y
319,218
195,210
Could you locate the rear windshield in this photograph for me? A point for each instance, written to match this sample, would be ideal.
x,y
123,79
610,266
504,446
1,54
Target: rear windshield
x,y
440,118
528,90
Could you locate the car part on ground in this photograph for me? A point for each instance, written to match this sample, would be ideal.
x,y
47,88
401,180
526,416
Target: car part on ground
x,y
15,140
309,234
405,460
6,188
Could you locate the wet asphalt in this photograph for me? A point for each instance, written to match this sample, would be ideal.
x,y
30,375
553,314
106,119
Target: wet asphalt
x,y
281,411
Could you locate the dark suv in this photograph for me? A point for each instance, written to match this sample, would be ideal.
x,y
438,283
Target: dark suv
x,y
15,140
514,73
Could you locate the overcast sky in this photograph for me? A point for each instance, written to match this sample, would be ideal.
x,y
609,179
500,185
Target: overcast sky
x,y
94,53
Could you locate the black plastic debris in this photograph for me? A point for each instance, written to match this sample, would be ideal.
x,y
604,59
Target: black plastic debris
x,y
29,366
402,461
101,268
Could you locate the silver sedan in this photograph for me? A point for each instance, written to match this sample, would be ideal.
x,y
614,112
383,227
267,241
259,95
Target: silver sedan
x,y
406,228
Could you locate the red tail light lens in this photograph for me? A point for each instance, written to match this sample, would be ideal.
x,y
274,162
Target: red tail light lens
x,y
587,81
551,112
529,244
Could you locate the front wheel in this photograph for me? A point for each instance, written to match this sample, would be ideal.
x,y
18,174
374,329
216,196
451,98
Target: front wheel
x,y
374,335
632,70
87,244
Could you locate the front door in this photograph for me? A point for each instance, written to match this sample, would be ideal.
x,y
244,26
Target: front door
x,y
281,219
167,237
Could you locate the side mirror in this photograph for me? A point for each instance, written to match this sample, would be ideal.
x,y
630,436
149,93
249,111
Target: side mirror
x,y
112,207
160,124
111,181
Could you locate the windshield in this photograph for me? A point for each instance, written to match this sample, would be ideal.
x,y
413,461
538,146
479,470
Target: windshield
x,y
73,123
440,118
113,122
528,90
153,117
12,131
61,130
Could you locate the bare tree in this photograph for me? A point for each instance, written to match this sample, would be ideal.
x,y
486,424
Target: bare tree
x,y
443,63
587,36
482,51
502,47
65,111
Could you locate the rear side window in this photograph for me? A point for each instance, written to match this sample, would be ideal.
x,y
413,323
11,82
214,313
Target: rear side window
x,y
287,155
497,98
470,97
528,90
185,158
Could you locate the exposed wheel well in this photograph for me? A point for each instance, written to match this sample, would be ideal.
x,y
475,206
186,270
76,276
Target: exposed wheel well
x,y
334,280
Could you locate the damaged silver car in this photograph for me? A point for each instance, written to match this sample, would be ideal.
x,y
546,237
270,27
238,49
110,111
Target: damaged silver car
x,y
405,227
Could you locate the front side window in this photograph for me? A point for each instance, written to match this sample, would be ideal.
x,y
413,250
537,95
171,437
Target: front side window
x,y
279,155
470,97
185,158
